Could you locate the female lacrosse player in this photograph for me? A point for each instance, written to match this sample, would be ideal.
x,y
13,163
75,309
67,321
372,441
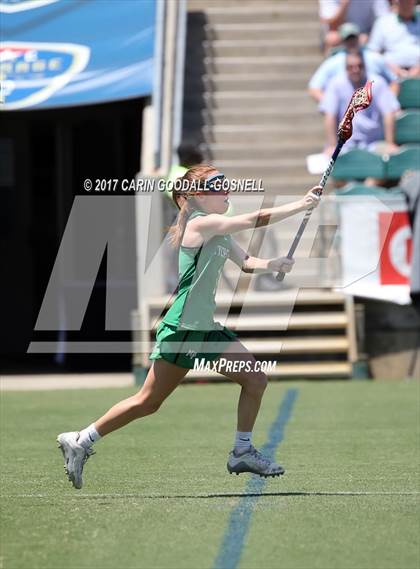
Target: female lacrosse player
x,y
188,331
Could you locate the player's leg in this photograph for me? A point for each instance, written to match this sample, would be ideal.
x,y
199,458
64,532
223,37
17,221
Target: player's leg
x,y
253,383
162,379
244,457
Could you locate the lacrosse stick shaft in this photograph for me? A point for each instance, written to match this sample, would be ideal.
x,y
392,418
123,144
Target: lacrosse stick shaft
x,y
325,176
360,100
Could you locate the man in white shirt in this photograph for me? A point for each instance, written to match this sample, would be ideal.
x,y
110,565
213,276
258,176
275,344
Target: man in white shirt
x,y
363,13
335,64
397,37
374,124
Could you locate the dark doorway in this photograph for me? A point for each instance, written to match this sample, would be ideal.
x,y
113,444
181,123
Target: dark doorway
x,y
44,157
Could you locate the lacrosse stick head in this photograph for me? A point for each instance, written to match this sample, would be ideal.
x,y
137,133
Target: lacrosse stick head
x,y
360,100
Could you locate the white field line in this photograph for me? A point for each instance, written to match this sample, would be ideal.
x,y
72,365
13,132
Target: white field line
x,y
65,381
296,494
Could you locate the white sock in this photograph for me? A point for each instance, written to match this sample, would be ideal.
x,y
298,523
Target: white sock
x,y
88,436
243,441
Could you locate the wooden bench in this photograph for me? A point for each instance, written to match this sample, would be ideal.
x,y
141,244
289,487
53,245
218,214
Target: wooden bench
x,y
315,340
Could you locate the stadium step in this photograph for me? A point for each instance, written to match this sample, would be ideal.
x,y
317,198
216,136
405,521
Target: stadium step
x,y
258,12
307,321
261,47
254,81
289,185
236,4
250,55
245,94
245,100
264,152
269,64
243,5
324,344
254,30
259,116
319,331
251,134
259,169
248,32
302,297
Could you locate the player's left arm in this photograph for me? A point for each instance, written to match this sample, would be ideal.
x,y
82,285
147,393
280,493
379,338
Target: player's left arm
x,y
250,264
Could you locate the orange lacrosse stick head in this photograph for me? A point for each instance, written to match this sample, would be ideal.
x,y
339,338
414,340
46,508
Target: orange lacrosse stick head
x,y
360,100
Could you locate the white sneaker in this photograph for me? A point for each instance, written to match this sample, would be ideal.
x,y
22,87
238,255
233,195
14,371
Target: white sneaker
x,y
75,457
253,461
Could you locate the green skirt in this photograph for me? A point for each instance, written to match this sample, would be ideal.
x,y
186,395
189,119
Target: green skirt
x,y
183,347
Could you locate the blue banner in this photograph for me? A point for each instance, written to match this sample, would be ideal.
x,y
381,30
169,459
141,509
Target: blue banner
x,y
57,53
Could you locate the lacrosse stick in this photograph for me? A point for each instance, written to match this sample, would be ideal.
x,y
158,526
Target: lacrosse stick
x,y
360,100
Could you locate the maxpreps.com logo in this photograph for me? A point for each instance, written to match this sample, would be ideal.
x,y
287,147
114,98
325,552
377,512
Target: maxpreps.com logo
x,y
30,72
12,6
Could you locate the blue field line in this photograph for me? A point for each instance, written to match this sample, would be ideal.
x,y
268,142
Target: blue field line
x,y
230,550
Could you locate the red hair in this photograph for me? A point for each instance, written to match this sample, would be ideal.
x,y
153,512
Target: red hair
x,y
198,173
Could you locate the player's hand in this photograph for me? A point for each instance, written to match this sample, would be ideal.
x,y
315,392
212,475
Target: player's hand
x,y
312,198
281,265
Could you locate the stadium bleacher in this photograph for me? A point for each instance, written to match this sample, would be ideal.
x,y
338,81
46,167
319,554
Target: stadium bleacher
x,y
358,164
407,127
409,95
354,188
408,123
407,159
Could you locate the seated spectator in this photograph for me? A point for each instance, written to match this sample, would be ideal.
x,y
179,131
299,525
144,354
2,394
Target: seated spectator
x,y
189,154
370,126
397,37
363,13
375,64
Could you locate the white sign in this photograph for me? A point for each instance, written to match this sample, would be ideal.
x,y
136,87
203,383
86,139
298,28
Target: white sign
x,y
376,243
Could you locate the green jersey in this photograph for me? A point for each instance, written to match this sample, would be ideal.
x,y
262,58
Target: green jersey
x,y
199,272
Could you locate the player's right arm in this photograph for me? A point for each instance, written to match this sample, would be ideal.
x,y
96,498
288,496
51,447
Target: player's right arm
x,y
216,224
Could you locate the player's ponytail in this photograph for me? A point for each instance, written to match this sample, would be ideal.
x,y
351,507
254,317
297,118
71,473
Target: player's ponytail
x,y
186,200
177,231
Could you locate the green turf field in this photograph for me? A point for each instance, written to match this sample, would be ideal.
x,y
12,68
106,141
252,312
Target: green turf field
x,y
157,493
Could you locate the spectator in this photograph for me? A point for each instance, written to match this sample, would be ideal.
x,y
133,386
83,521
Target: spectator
x,y
375,64
397,37
189,155
370,126
363,13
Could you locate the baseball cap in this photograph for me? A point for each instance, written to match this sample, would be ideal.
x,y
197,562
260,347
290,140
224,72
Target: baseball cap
x,y
348,29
